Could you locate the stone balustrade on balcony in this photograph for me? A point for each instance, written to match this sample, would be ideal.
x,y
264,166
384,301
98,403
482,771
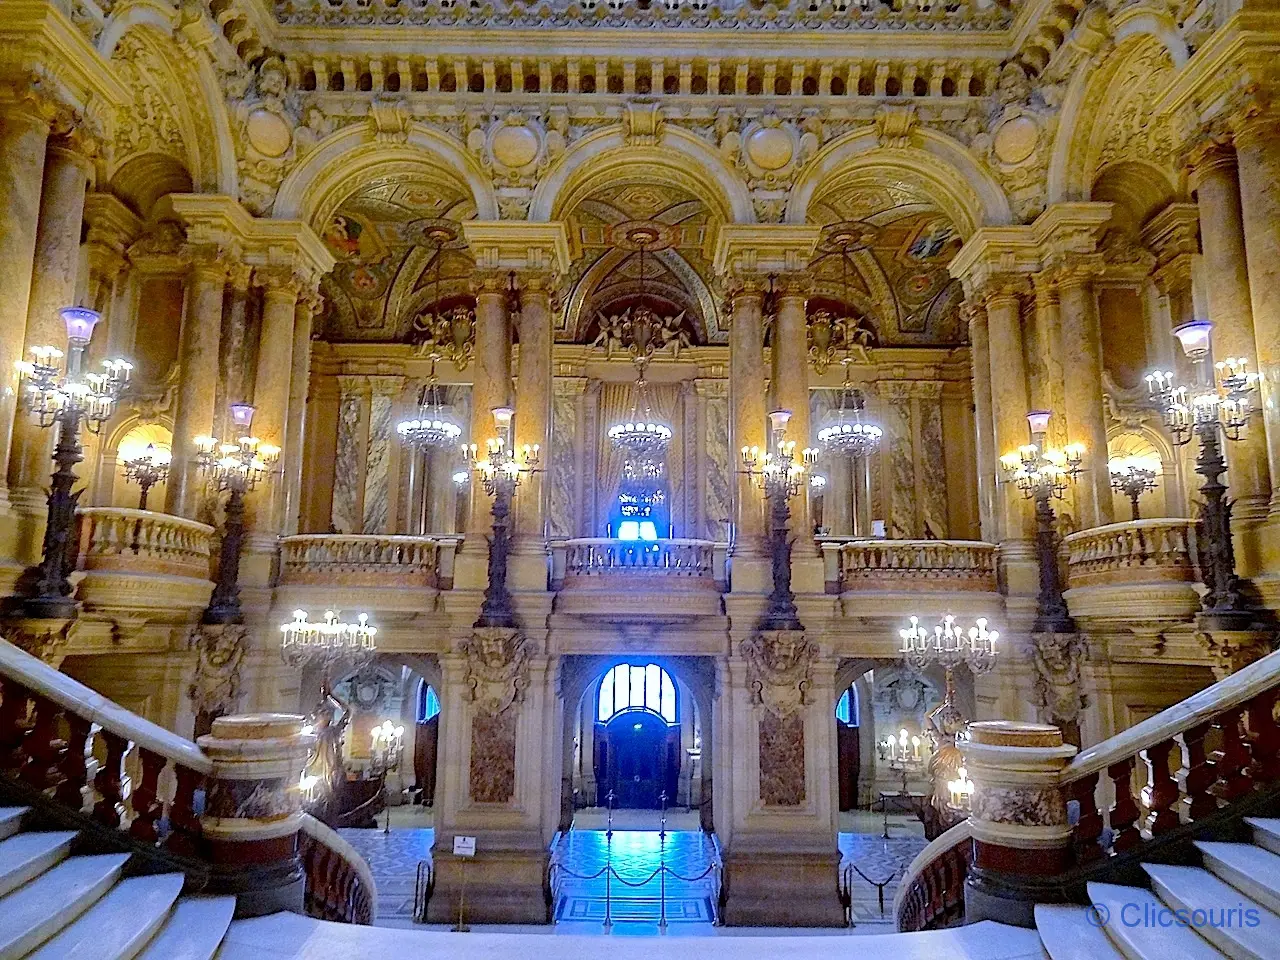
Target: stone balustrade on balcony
x,y
908,566
599,575
367,560
1117,570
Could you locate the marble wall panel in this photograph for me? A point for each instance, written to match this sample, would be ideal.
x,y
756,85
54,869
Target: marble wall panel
x,y
378,458
347,479
782,760
932,469
493,757
718,504
901,520
562,514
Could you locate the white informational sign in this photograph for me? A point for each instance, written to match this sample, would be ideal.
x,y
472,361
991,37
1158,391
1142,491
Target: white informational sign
x,y
464,846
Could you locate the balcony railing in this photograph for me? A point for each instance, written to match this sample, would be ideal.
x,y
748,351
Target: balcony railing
x,y
1139,551
915,565
142,542
597,560
374,560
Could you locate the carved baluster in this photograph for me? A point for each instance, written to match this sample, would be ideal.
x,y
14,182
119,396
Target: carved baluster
x,y
1197,774
1232,760
1089,826
1161,793
73,769
43,747
1124,812
146,799
184,825
14,707
110,781
1264,736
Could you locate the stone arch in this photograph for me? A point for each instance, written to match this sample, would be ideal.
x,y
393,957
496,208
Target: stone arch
x,y
941,167
1108,116
206,125
679,157
342,161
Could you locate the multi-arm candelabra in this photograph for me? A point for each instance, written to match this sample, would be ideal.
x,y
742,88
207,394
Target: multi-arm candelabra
x,y
779,472
1218,403
146,470
234,468
1043,474
69,397
1132,476
500,470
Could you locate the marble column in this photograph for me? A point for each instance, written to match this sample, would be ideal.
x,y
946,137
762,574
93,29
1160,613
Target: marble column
x,y
24,132
295,430
837,497
746,382
1226,286
790,356
1257,140
233,354
53,286
491,385
271,393
1082,390
1008,396
198,381
984,441
533,405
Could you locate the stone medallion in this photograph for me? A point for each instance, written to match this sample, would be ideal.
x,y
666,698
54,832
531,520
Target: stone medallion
x,y
770,148
1015,139
515,146
268,132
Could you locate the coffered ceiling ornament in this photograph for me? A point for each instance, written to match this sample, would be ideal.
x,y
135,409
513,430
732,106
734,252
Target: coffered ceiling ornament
x,y
779,670
497,668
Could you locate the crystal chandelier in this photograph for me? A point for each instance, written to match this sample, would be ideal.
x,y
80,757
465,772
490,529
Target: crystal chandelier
x,y
48,388
434,425
949,645
303,641
850,435
502,467
778,471
239,466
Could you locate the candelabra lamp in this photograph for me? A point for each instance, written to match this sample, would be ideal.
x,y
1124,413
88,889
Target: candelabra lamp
x,y
234,468
146,470
903,754
1132,476
1043,474
500,469
1218,403
779,472
387,743
69,397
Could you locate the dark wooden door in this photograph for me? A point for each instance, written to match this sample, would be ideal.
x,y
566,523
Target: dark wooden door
x,y
637,755
426,742
848,764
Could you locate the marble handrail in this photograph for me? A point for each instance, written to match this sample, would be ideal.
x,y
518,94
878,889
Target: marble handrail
x,y
1137,551
368,559
866,564
121,538
339,881
933,884
603,556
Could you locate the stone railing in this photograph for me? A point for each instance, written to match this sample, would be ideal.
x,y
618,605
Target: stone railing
x,y
119,539
931,892
374,560
914,565
577,563
224,812
1138,551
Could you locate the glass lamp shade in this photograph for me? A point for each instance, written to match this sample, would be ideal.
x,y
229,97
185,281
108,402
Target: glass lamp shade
x,y
502,416
778,419
242,414
1194,337
1039,420
80,322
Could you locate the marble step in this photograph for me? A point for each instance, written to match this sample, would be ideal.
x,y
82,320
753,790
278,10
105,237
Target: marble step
x,y
1068,933
11,820
25,856
1141,940
1251,870
1266,832
120,924
193,930
31,915
1227,916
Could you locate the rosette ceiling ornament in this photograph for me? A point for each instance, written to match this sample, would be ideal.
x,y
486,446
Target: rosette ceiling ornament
x,y
643,436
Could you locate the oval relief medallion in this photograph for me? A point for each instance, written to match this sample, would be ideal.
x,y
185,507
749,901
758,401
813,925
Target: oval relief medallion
x,y
1015,139
268,133
515,147
770,148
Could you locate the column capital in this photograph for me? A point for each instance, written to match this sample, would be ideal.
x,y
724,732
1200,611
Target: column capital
x,y
761,249
795,283
279,280
518,246
1076,269
1045,284
1001,288
1214,153
350,384
974,313
1175,230
211,261
387,385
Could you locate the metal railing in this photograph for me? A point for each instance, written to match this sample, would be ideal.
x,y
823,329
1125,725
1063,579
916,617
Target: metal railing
x,y
424,885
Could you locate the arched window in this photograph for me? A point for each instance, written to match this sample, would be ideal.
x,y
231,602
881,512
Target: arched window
x,y
847,706
632,687
428,702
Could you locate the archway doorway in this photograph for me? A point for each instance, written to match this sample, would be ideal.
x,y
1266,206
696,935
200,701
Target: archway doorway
x,y
637,748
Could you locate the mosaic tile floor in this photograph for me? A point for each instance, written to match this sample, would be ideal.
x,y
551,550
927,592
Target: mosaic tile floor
x,y
393,857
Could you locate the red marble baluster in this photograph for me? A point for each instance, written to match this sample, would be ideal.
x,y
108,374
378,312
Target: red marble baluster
x,y
1124,813
1197,774
145,798
43,747
1162,789
14,703
1264,736
1232,760
184,825
110,781
1089,826
74,769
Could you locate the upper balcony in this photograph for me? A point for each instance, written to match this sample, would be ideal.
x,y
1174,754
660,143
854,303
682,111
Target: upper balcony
x,y
1140,569
960,573
371,571
621,577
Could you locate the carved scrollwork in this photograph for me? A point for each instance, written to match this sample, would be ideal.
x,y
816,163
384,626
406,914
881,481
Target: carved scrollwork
x,y
779,670
497,668
220,651
1059,661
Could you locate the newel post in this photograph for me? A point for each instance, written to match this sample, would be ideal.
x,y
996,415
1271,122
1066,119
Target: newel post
x,y
1021,837
253,809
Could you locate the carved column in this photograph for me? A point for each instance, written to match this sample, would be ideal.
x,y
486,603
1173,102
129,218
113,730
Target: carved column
x,y
1009,407
110,228
491,386
984,441
198,379
295,428
790,356
233,353
53,286
1226,286
746,394
1082,390
24,131
533,405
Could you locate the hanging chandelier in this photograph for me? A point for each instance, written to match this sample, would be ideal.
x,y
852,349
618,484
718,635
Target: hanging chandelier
x,y
434,424
330,642
850,434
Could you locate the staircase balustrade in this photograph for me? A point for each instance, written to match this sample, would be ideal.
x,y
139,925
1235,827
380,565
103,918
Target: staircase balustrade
x,y
931,892
584,561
